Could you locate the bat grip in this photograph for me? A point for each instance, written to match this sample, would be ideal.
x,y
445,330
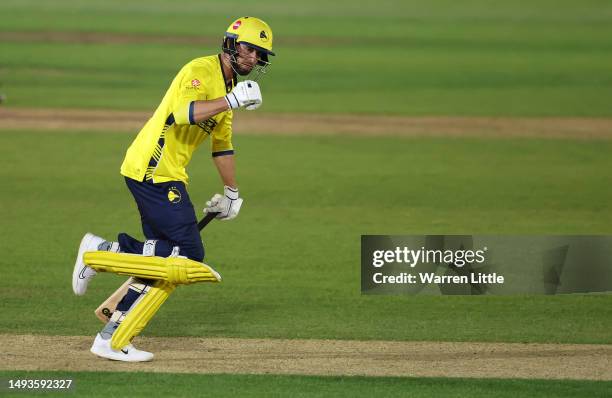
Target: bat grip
x,y
207,218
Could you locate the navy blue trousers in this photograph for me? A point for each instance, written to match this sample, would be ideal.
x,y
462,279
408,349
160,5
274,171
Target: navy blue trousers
x,y
167,216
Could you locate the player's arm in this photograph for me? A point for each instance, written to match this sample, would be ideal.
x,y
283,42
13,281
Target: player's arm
x,y
204,110
245,94
227,169
227,205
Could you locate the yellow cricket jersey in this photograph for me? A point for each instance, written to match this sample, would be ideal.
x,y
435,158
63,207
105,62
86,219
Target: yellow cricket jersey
x,y
165,144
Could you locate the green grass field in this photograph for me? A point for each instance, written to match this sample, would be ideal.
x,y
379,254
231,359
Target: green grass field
x,y
446,58
290,262
139,385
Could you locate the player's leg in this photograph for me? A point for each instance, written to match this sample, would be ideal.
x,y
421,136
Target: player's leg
x,y
169,217
143,194
175,220
136,289
102,343
82,274
145,197
155,202
143,297
169,272
141,313
123,298
176,270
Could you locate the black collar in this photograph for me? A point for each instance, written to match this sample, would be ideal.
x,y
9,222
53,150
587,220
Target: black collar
x,y
228,86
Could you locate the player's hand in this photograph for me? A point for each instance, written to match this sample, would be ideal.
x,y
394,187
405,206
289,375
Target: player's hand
x,y
227,205
245,94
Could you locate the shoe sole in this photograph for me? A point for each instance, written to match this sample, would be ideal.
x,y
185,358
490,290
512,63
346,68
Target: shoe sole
x,y
79,264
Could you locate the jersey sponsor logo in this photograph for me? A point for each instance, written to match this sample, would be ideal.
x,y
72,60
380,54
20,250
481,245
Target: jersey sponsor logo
x,y
263,36
174,195
236,24
195,83
208,125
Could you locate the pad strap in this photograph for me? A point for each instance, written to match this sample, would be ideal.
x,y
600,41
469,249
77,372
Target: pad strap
x,y
148,249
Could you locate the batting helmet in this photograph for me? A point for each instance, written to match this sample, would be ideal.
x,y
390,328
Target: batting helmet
x,y
252,32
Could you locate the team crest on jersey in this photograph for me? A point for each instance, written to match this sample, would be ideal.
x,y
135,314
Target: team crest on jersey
x,y
263,36
174,195
195,83
236,25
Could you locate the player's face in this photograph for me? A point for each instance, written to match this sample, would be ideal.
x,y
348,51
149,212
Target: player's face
x,y
246,59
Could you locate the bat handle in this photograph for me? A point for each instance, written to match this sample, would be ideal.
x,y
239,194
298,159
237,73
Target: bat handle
x,y
207,218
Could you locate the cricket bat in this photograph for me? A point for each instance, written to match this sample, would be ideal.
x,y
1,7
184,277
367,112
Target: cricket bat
x,y
106,309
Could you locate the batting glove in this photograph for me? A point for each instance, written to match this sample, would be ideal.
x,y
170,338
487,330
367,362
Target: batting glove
x,y
227,205
245,94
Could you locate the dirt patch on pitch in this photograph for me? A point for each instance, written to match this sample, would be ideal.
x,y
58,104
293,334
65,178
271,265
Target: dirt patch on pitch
x,y
320,124
318,357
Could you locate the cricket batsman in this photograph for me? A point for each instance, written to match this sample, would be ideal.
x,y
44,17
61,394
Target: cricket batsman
x,y
198,105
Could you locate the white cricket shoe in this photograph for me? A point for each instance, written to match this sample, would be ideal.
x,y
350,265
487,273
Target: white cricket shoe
x,y
102,348
82,274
